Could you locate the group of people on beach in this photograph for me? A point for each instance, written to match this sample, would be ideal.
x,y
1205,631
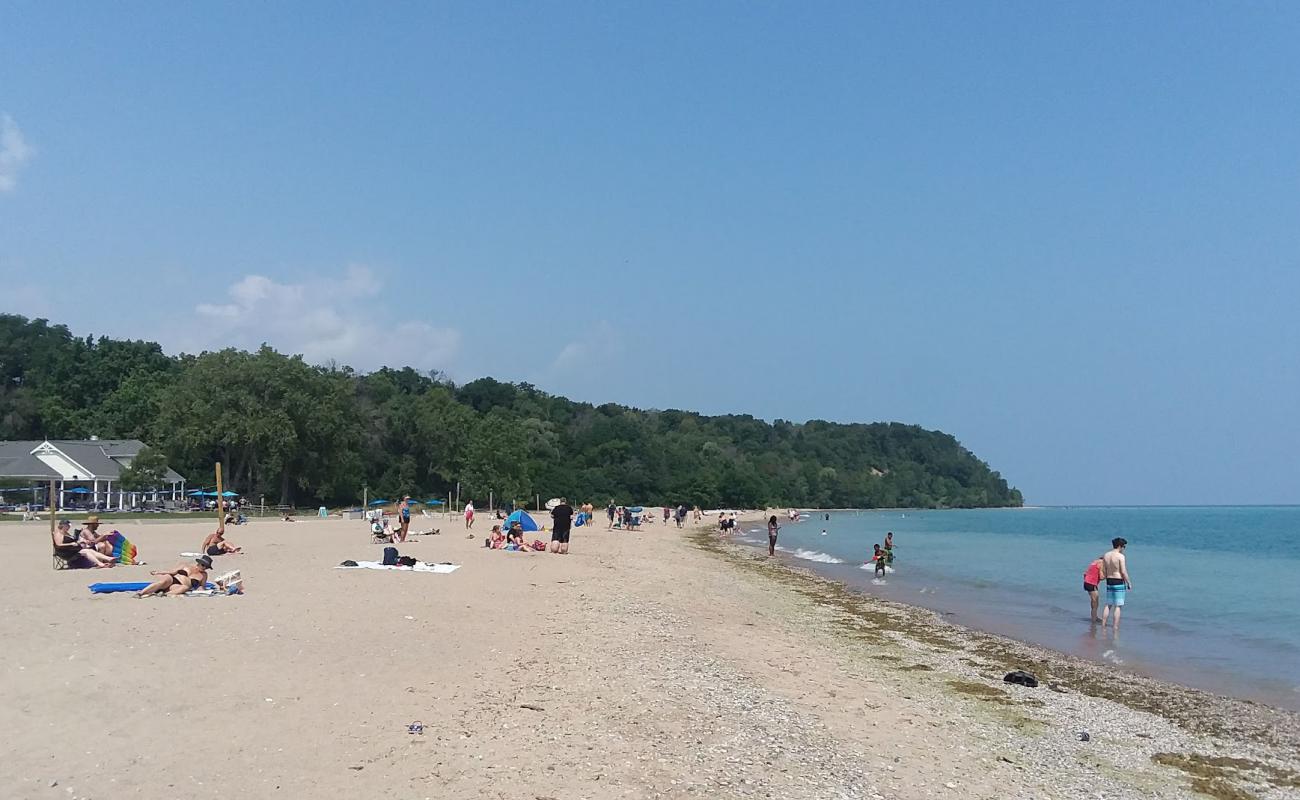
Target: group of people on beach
x,y
512,538
84,546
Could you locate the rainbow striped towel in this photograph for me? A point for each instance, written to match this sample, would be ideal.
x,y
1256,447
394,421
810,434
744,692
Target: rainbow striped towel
x,y
123,551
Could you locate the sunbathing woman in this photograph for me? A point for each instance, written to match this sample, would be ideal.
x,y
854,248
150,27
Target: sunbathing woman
x,y
71,547
216,544
184,578
497,540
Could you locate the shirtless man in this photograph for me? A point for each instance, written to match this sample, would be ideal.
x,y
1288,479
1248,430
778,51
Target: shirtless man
x,y
216,544
1114,568
183,579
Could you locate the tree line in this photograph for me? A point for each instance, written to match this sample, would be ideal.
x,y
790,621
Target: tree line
x,y
304,434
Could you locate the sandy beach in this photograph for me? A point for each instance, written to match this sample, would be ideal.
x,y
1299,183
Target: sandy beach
x,y
652,664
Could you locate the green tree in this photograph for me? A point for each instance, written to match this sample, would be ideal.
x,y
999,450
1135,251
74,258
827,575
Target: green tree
x,y
148,470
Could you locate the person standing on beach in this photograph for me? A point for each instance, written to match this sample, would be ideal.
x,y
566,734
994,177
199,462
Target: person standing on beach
x,y
772,530
469,515
1091,579
562,518
609,512
404,518
1114,567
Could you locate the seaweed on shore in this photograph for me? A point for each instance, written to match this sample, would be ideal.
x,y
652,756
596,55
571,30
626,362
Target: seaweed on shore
x,y
876,620
1217,776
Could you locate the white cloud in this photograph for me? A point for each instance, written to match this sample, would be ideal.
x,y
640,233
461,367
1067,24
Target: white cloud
x,y
325,319
14,153
597,348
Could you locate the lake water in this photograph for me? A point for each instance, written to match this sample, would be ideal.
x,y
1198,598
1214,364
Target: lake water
x,y
1215,603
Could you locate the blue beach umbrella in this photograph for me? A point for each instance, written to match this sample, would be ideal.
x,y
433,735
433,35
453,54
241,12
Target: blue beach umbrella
x,y
229,494
79,490
435,502
379,502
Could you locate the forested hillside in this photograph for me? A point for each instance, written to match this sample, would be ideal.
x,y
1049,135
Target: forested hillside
x,y
305,434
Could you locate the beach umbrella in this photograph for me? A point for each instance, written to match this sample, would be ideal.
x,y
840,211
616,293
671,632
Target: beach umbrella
x,y
636,509
79,490
435,502
379,502
229,494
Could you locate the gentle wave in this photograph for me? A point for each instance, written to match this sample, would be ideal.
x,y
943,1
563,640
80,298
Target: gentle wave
x,y
872,567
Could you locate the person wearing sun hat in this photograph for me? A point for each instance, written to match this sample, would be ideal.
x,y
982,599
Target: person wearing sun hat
x,y
185,578
92,538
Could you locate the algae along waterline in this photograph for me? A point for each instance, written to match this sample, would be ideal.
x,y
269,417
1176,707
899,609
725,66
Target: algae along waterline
x,y
1215,601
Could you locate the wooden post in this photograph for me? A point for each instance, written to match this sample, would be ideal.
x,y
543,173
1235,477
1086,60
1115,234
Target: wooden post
x,y
221,503
53,522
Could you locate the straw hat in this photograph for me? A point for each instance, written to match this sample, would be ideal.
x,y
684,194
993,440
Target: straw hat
x,y
92,520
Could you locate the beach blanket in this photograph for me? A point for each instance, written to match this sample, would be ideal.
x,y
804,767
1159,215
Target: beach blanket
x,y
420,567
123,551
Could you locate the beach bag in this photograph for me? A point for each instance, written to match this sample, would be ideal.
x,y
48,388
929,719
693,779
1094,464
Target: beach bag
x,y
390,556
538,544
406,561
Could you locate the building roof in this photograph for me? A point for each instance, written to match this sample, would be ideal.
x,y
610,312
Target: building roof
x,y
93,459
14,464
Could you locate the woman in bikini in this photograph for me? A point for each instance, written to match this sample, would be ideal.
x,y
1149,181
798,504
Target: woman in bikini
x,y
184,578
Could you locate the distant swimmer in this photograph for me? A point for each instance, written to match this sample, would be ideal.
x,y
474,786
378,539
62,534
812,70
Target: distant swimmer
x,y
1114,568
823,531
1091,578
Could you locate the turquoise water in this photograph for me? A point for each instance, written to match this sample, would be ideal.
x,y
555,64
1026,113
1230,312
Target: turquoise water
x,y
1215,603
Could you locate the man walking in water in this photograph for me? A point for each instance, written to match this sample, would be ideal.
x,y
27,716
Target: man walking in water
x,y
1114,568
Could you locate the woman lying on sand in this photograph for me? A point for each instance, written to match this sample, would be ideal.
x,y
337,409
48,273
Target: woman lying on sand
x,y
65,541
216,544
184,578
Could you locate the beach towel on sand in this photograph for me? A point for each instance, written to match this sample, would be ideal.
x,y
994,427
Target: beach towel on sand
x,y
123,551
419,567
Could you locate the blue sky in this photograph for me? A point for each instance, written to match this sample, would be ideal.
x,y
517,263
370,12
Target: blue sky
x,y
1067,234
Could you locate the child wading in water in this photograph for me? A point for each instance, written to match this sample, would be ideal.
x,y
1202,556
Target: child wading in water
x,y
879,556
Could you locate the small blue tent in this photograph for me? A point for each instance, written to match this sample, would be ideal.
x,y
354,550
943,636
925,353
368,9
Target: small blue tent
x,y
526,522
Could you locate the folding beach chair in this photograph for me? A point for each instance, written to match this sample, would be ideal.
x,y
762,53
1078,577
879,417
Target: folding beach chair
x,y
66,555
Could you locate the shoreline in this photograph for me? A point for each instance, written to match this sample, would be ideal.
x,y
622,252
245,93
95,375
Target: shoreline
x,y
1264,740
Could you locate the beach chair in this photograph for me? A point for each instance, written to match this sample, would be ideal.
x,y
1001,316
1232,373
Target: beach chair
x,y
230,583
66,556
380,535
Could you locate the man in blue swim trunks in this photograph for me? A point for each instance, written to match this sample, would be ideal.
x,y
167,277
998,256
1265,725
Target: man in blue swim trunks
x,y
1114,569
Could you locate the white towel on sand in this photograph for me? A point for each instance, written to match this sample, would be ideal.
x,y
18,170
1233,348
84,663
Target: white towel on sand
x,y
420,567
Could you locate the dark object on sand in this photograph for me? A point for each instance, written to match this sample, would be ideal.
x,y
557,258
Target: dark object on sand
x,y
390,557
1084,736
415,727
348,563
1021,677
